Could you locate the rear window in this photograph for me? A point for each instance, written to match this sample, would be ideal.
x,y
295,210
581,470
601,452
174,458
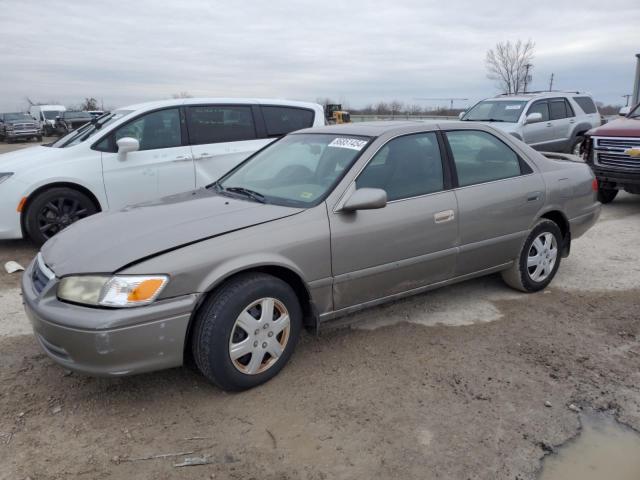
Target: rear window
x,y
586,104
283,120
220,123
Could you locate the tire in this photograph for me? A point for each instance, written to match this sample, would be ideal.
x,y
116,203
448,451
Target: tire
x,y
43,210
530,278
576,146
606,195
218,328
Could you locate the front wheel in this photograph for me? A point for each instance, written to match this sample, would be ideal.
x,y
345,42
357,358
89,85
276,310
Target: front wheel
x,y
55,209
539,259
246,331
606,195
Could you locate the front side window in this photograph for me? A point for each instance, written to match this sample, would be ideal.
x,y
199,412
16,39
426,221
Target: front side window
x,y
480,157
299,170
542,108
405,167
557,109
496,111
283,120
160,129
220,123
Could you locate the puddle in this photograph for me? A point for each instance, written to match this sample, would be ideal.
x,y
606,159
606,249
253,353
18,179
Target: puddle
x,y
604,449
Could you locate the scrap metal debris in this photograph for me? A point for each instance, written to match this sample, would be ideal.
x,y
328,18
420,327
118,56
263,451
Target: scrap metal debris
x,y
193,461
12,267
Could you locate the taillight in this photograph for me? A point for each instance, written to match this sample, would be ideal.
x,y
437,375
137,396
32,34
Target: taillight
x,y
594,185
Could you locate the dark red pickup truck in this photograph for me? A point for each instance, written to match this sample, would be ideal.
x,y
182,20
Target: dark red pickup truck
x,y
613,153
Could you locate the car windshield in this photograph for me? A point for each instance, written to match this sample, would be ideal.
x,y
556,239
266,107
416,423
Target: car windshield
x,y
76,115
89,129
51,114
300,170
496,111
18,116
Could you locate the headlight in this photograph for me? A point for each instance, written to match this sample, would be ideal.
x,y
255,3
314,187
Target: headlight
x,y
116,291
4,176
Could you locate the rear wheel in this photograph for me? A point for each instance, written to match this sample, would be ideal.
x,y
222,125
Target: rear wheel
x,y
606,195
55,209
539,259
246,331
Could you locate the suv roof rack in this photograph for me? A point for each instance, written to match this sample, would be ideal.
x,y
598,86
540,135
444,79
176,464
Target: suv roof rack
x,y
537,92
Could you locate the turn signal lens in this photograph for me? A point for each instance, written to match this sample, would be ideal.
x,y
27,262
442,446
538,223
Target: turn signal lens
x,y
132,290
594,185
145,290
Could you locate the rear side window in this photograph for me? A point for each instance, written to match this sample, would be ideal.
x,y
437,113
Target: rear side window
x,y
542,108
558,109
220,123
405,167
586,104
480,157
283,120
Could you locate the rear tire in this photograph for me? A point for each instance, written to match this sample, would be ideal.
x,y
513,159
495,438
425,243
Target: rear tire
x,y
55,209
606,195
232,340
539,259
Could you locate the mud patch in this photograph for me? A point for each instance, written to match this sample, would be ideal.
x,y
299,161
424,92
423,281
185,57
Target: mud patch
x,y
603,449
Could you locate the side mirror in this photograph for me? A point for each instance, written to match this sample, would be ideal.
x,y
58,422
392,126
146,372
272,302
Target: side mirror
x,y
126,145
461,114
366,199
533,118
624,111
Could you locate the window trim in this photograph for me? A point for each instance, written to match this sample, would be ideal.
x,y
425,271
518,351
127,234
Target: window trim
x,y
521,161
111,133
536,102
266,129
447,179
220,105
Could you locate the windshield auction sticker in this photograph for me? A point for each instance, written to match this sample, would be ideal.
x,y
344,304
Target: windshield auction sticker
x,y
351,143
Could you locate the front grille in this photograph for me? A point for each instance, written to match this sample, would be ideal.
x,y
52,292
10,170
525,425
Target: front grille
x,y
24,126
41,275
618,161
617,144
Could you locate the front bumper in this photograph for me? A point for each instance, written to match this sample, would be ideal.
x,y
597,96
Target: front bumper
x,y
107,342
618,178
22,133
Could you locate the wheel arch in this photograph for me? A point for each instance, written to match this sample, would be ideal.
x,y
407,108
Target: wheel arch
x,y
560,219
49,186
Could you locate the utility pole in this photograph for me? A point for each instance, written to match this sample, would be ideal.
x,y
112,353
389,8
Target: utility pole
x,y
627,97
526,76
551,83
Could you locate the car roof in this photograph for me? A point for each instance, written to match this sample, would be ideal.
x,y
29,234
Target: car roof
x,y
222,100
377,129
535,95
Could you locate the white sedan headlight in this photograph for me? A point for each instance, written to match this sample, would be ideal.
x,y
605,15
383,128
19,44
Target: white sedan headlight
x,y
116,291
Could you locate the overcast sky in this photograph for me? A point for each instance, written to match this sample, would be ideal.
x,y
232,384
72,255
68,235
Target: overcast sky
x,y
357,52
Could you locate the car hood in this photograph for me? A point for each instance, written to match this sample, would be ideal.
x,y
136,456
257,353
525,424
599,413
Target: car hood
x,y
621,127
107,242
18,160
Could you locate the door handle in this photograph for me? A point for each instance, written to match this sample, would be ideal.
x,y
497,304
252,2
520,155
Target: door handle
x,y
572,121
445,216
533,196
549,124
181,158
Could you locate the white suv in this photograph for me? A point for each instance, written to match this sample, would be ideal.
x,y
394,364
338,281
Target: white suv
x,y
135,154
548,121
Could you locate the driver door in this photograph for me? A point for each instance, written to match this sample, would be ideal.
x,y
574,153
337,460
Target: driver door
x,y
162,166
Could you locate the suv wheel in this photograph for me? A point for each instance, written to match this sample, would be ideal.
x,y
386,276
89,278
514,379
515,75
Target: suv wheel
x,y
539,259
246,331
606,195
55,209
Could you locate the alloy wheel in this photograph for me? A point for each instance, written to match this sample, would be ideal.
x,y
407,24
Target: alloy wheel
x,y
259,336
542,257
59,213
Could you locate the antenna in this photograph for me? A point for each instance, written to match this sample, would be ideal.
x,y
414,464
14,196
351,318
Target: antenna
x,y
551,83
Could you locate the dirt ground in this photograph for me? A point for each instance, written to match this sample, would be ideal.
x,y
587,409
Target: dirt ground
x,y
473,381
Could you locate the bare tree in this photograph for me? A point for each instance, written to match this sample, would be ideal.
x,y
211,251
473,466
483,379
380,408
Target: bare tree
x,y
507,64
414,109
381,108
89,104
396,107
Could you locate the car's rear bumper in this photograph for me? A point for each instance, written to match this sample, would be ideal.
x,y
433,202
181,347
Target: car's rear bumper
x,y
108,342
580,224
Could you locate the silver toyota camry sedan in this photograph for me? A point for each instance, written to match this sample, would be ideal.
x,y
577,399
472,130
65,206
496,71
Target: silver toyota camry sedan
x,y
322,223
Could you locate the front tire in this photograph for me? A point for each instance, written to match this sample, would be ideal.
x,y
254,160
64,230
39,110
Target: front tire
x,y
606,195
55,209
246,331
539,259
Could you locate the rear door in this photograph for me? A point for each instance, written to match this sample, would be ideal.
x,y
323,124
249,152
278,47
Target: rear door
x,y
163,165
562,116
498,196
409,243
221,136
539,135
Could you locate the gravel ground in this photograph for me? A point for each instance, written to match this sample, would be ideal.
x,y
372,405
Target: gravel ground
x,y
451,384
